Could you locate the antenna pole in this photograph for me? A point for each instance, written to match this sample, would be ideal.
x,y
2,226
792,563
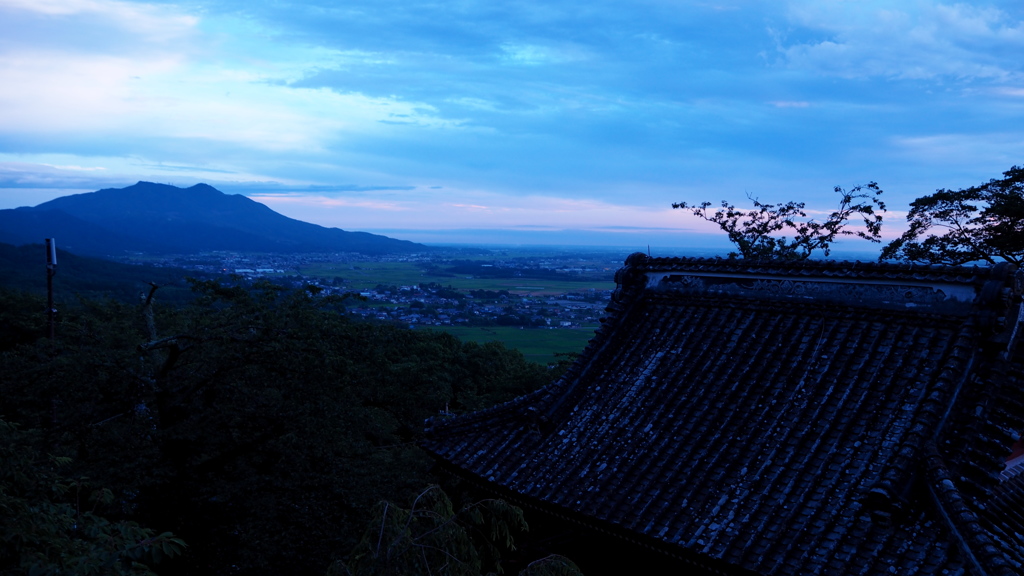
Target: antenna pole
x,y
51,271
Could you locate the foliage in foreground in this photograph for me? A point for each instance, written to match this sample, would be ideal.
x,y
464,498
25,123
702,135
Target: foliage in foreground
x,y
258,424
759,233
431,537
983,223
51,524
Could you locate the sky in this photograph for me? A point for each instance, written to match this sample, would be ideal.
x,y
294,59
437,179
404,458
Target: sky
x,y
511,122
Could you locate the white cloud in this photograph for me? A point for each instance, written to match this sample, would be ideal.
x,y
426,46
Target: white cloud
x,y
139,19
450,208
908,40
77,168
533,54
525,54
790,104
197,91
998,150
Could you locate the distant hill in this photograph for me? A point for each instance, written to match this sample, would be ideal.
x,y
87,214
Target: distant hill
x,y
164,219
24,268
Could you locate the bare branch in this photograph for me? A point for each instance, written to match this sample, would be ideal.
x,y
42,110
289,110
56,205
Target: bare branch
x,y
758,233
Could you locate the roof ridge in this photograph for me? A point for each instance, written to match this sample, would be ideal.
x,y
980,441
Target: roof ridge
x,y
825,269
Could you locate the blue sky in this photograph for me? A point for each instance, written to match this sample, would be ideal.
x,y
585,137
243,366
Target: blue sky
x,y
516,121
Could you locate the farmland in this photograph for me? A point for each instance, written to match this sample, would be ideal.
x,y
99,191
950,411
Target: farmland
x,y
539,302
537,344
358,276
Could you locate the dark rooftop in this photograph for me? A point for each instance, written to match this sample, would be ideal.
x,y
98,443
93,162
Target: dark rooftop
x,y
780,418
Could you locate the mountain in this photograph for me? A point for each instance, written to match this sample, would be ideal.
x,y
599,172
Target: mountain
x,y
159,218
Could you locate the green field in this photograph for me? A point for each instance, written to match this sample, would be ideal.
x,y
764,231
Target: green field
x,y
366,275
537,344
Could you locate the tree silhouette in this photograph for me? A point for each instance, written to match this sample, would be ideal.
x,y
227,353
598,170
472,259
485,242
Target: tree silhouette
x,y
980,223
760,233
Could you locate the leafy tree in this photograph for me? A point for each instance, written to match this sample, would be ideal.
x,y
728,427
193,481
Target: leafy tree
x,y
980,223
756,233
258,423
431,537
24,319
51,523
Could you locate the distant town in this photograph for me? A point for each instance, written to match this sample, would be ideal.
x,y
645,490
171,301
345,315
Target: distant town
x,y
554,289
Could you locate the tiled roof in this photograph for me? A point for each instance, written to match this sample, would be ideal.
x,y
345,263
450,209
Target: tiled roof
x,y
1003,518
808,418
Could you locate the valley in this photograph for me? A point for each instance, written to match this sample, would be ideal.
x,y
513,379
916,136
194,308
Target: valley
x,y
543,302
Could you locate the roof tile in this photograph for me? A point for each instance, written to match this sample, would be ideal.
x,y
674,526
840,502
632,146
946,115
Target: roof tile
x,y
775,416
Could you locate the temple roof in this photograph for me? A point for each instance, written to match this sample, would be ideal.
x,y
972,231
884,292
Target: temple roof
x,y
780,418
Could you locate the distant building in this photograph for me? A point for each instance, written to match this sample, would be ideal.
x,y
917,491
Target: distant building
x,y
813,418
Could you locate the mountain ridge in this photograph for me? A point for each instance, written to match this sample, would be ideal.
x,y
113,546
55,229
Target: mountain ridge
x,y
160,218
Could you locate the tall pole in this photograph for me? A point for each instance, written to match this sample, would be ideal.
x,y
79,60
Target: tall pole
x,y
51,271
